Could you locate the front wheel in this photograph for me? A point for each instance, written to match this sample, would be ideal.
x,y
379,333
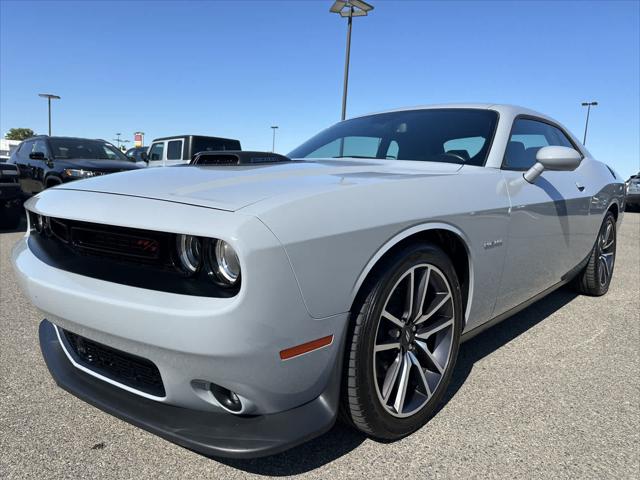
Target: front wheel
x,y
403,343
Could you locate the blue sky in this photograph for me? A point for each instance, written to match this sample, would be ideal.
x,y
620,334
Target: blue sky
x,y
235,68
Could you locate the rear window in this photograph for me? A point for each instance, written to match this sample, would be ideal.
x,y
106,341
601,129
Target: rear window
x,y
201,144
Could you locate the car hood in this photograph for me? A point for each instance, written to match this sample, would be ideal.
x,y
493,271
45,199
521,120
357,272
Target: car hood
x,y
234,187
97,165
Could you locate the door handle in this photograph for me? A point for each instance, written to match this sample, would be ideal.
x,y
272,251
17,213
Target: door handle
x,y
580,186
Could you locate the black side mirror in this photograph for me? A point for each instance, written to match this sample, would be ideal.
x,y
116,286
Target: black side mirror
x,y
144,157
37,156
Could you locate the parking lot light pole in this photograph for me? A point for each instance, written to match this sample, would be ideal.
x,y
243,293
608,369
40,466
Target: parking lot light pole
x,y
273,145
349,9
49,96
119,141
586,125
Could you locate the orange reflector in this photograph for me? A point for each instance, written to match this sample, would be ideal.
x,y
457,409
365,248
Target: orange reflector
x,y
306,347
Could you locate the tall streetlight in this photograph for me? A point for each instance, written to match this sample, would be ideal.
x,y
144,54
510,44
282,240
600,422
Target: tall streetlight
x,y
349,9
586,125
49,97
273,145
119,141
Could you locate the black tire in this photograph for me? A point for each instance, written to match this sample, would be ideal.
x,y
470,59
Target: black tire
x,y
596,276
52,182
361,403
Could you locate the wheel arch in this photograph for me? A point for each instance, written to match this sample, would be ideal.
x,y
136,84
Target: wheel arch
x,y
52,180
448,237
615,209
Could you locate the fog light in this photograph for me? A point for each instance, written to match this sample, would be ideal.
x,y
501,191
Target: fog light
x,y
225,397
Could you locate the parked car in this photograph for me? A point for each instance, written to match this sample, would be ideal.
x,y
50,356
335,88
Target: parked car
x,y
137,154
182,148
11,197
633,192
270,293
45,161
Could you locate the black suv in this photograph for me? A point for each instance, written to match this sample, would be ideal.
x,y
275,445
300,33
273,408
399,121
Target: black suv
x,y
47,161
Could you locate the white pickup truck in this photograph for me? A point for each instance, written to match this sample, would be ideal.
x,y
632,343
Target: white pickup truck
x,y
181,148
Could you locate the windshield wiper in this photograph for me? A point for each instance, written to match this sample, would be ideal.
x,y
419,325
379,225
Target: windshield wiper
x,y
356,156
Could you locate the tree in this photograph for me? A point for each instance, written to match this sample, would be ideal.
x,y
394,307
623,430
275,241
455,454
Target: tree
x,y
19,134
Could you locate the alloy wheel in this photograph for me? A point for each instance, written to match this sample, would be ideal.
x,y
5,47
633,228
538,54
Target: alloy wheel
x,y
414,339
606,259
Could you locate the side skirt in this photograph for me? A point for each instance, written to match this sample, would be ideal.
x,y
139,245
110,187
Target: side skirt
x,y
566,278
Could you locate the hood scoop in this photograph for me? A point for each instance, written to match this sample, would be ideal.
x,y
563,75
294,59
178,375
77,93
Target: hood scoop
x,y
237,157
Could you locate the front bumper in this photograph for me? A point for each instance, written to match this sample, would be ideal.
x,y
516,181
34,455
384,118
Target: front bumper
x,y
209,433
192,340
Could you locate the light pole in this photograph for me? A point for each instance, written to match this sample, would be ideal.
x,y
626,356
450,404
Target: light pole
x,y
49,96
349,9
586,125
273,145
118,141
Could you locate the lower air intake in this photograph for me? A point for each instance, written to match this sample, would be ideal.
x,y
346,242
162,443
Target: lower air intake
x,y
130,370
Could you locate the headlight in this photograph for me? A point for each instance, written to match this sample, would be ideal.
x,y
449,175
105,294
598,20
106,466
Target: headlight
x,y
189,253
224,262
78,173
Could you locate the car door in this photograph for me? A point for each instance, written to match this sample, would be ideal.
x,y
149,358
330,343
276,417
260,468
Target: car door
x,y
548,218
39,166
22,161
156,154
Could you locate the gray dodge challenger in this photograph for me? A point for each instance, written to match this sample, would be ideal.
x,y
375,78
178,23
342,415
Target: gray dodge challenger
x,y
239,304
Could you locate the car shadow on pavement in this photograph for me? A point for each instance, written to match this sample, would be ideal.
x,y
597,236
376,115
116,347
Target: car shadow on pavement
x,y
342,439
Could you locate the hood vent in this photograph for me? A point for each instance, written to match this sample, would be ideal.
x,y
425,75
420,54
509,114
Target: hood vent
x,y
229,158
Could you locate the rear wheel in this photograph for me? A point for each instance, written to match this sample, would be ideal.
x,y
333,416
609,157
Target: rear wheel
x,y
403,344
596,276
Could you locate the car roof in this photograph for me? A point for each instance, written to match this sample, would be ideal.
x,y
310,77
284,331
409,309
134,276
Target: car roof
x,y
500,108
47,137
193,136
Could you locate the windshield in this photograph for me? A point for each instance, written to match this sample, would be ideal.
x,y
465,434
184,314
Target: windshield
x,y
439,135
80,148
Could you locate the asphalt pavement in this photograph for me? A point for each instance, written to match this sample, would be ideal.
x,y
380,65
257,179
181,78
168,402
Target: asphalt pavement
x,y
553,392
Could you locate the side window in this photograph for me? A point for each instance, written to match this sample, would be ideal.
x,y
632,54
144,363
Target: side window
x,y
25,149
155,153
40,146
561,139
527,137
174,150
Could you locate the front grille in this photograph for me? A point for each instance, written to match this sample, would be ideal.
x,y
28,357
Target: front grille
x,y
127,256
130,370
125,244
115,243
